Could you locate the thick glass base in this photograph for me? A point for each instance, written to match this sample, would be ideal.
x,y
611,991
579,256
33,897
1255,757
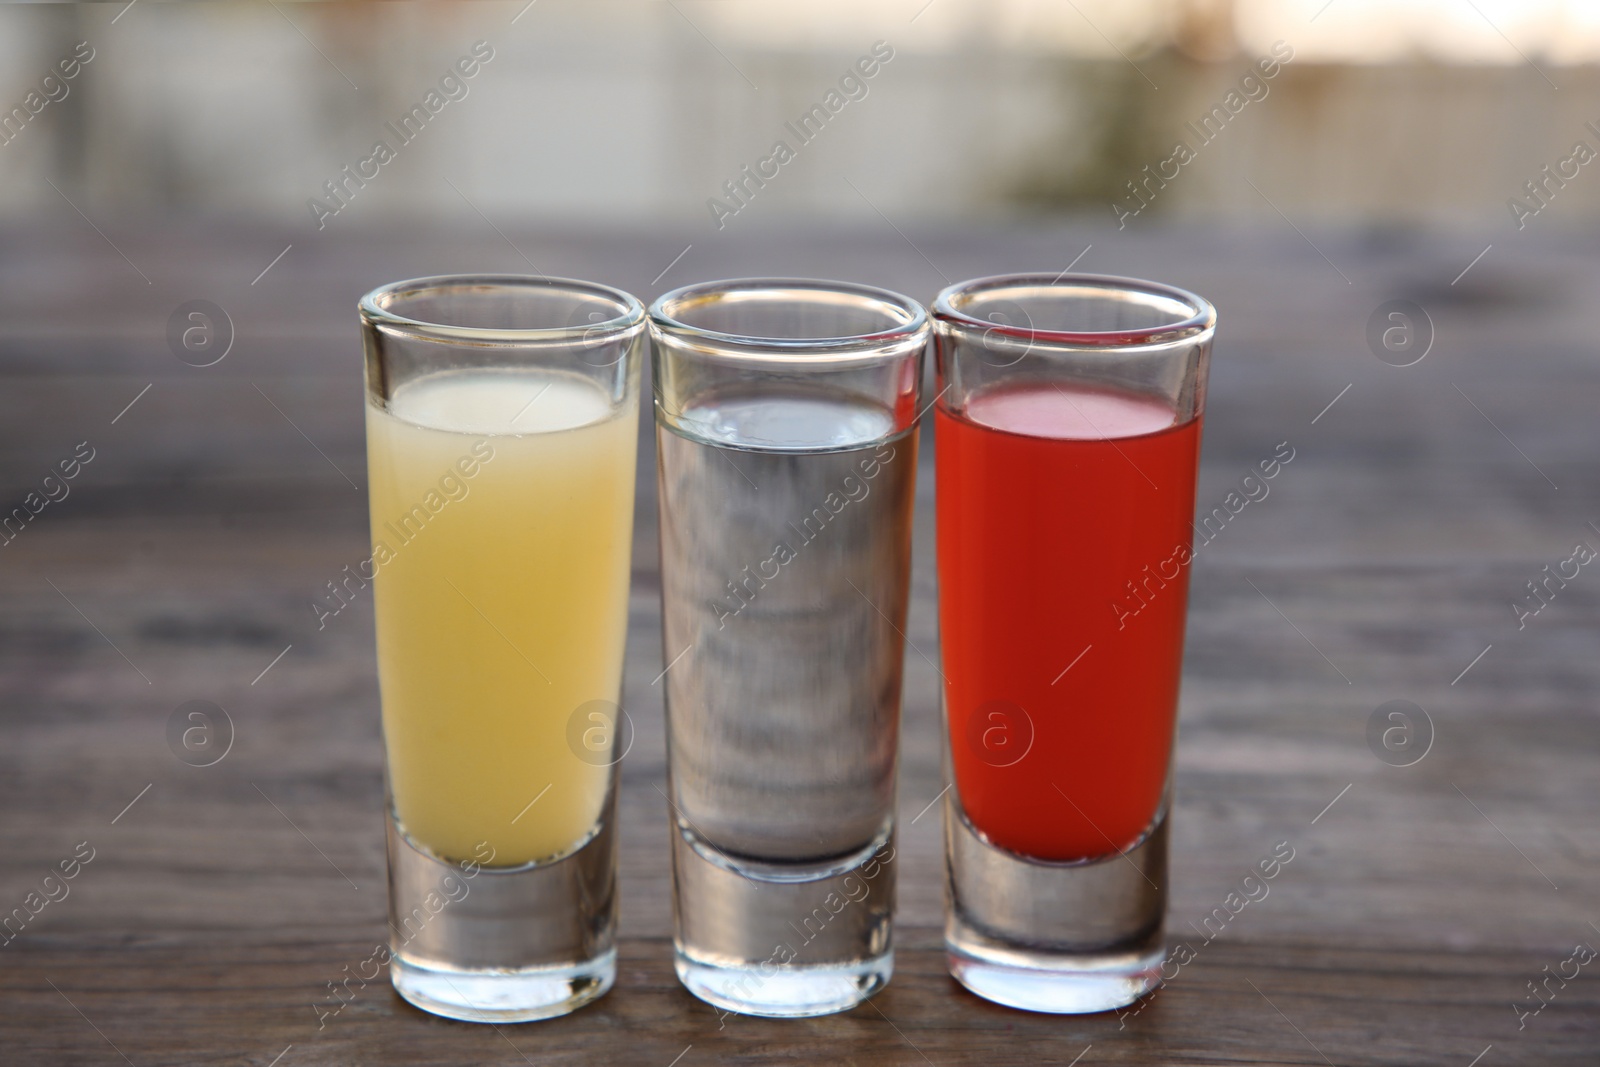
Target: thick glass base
x,y
781,940
502,945
1054,937
502,996
1068,985
784,992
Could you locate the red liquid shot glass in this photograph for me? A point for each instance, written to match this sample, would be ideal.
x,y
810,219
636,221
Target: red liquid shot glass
x,y
1068,435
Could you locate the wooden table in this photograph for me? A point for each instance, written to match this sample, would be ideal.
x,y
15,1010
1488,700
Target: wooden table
x,y
1384,564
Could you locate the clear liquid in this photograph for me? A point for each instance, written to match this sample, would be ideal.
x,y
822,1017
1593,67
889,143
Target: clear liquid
x,y
785,545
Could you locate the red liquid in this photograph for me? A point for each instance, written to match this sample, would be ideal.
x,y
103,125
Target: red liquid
x,y
1052,502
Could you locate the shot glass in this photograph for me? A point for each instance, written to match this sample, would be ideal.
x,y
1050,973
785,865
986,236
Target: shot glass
x,y
502,429
1067,437
785,421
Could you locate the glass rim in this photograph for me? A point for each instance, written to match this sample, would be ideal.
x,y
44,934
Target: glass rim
x,y
1201,316
912,327
376,312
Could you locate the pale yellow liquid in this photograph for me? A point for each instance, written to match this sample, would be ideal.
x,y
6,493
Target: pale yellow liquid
x,y
506,610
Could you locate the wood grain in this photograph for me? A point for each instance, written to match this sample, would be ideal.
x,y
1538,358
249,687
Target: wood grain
x,y
1383,562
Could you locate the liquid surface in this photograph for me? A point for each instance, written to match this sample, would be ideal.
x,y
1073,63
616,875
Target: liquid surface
x,y
784,583
499,402
1061,676
502,508
783,423
1064,414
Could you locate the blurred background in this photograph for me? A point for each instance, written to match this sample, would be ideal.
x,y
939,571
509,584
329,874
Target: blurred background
x,y
635,112
1307,165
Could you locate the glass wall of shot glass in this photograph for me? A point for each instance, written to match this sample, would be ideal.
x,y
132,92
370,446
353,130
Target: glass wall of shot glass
x,y
1068,436
786,413
502,424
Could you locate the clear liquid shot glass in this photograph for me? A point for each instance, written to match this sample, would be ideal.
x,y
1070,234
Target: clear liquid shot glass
x,y
502,424
786,413
1068,436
